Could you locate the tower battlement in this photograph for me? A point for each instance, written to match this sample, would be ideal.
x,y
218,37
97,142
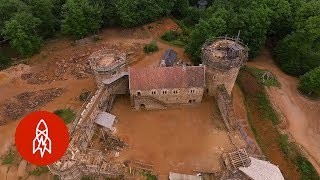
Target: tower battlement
x,y
223,58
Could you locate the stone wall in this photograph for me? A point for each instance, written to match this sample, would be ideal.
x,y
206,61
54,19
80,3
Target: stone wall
x,y
216,77
162,98
120,86
226,108
233,125
78,163
85,126
101,75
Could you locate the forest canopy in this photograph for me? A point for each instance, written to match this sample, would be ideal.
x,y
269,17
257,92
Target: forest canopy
x,y
290,28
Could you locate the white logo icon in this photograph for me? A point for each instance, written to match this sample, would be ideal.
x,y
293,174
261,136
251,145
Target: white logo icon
x,y
41,142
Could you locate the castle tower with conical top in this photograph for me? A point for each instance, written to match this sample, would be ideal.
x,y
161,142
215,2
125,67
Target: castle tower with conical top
x,y
223,58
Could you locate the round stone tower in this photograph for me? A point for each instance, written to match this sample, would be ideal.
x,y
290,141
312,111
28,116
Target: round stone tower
x,y
107,62
223,58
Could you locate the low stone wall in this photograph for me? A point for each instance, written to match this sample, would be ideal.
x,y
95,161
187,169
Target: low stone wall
x,y
233,124
226,108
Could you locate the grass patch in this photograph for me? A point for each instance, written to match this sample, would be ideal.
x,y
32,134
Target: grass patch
x,y
151,47
170,35
264,103
149,175
267,109
39,171
174,38
9,158
258,73
306,168
284,144
186,27
290,150
66,114
255,133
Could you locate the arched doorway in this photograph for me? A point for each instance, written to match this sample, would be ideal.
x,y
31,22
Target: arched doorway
x,y
142,106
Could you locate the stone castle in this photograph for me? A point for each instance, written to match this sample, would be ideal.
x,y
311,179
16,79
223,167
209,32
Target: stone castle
x,y
174,83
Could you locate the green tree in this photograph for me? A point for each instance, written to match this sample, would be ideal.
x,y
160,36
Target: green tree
x,y
22,34
137,12
280,17
309,83
81,18
251,18
4,61
8,8
44,9
193,16
213,27
299,52
253,22
109,14
180,8
57,9
307,10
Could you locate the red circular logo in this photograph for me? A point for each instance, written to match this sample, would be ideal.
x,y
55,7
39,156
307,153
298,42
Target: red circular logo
x,y
42,138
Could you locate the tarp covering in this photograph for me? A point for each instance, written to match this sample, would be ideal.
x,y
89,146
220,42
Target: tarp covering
x,y
105,119
177,176
262,170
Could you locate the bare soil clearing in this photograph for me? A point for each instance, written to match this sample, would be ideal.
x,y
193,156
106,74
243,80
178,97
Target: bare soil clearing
x,y
302,114
64,64
185,139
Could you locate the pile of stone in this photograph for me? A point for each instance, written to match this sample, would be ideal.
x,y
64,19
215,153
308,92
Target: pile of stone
x,y
27,102
112,143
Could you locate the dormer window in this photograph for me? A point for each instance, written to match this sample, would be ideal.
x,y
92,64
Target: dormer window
x,y
164,92
175,91
192,91
153,92
139,93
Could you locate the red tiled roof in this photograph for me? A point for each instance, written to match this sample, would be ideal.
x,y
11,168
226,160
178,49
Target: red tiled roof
x,y
167,77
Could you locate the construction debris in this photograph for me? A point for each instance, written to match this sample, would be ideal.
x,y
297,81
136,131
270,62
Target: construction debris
x,y
236,159
112,143
26,102
266,76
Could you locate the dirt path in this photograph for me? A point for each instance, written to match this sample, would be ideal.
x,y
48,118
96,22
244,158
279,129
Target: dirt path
x,y
302,114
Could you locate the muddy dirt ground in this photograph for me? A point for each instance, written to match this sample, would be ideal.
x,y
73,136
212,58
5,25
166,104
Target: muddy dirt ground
x,y
302,115
187,139
63,64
